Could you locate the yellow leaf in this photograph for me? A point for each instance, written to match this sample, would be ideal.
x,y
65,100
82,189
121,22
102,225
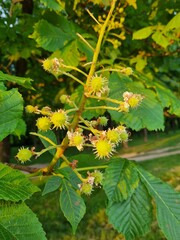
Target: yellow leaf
x,y
132,3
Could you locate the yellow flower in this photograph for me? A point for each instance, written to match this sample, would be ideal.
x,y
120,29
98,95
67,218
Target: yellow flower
x,y
59,119
76,139
43,123
113,135
103,148
98,86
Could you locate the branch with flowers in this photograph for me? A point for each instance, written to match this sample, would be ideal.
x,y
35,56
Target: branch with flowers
x,y
125,184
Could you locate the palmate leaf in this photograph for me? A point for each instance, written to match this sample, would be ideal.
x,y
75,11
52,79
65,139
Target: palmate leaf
x,y
11,109
120,179
14,185
25,82
50,37
72,205
18,222
167,203
132,216
149,114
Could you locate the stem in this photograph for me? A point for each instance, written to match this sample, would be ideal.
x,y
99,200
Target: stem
x,y
109,70
98,46
45,138
86,42
106,99
71,76
74,68
90,14
32,170
45,150
74,170
91,168
101,107
57,155
77,115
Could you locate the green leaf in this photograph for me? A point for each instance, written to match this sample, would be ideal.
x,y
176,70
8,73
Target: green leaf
x,y
120,179
14,185
69,174
25,82
143,33
11,109
173,23
133,216
72,205
18,222
52,184
50,37
160,39
69,55
149,114
167,203
167,98
20,128
53,5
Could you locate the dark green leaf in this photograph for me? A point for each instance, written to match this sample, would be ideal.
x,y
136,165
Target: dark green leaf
x,y
69,174
14,185
52,184
167,202
72,205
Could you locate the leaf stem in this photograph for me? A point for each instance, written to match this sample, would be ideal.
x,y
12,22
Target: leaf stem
x,y
75,68
91,168
73,77
86,42
43,137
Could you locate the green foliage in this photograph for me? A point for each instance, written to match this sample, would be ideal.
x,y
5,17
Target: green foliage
x,y
72,205
53,5
49,37
133,216
85,49
167,202
15,186
11,110
120,180
52,184
140,117
25,82
17,221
